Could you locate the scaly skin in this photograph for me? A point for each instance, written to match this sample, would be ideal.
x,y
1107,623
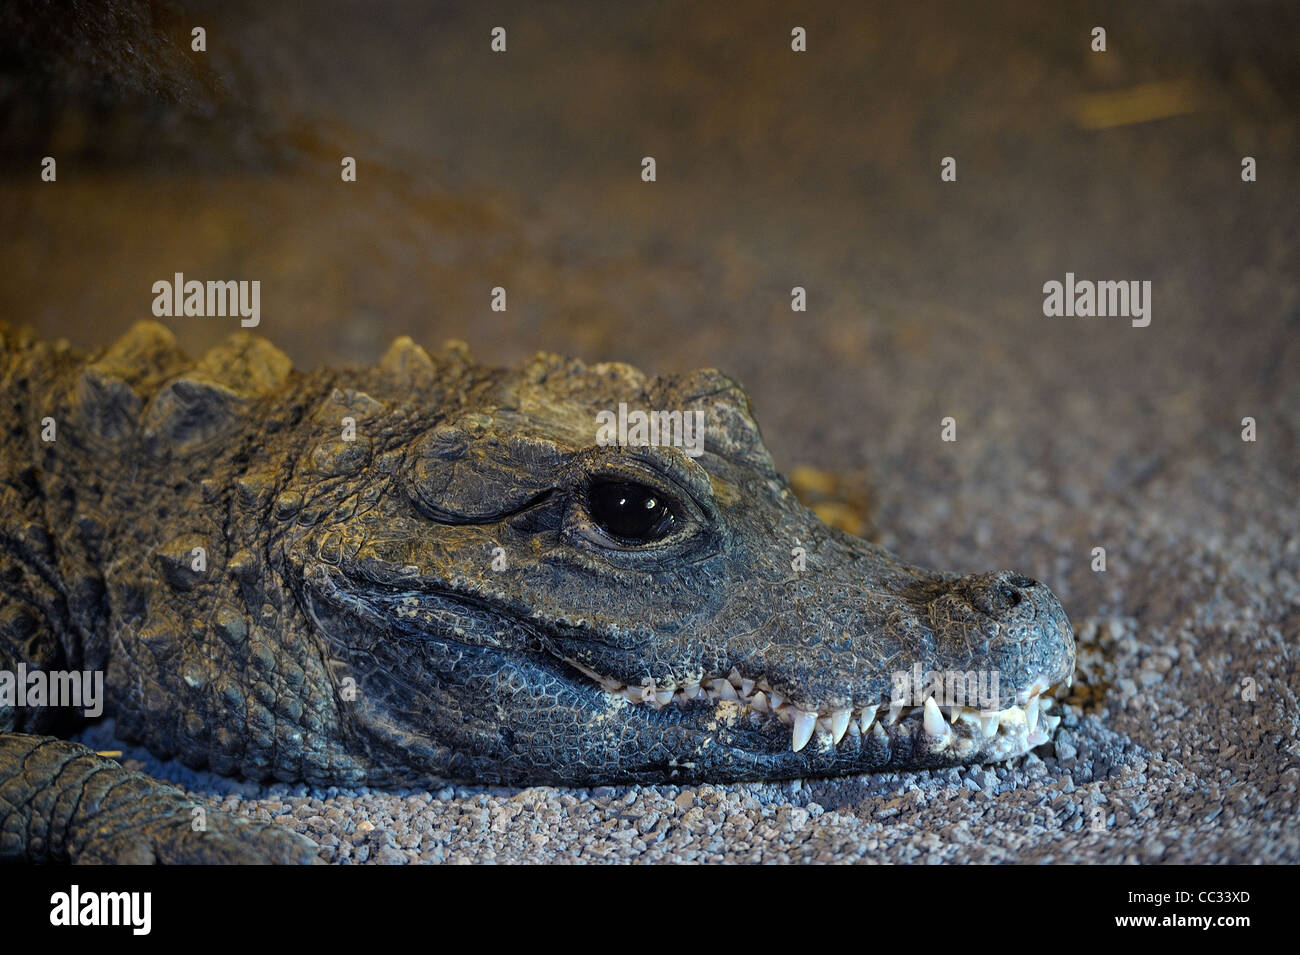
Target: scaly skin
x,y
406,578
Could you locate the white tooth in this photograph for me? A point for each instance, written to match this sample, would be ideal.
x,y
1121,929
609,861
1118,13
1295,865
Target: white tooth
x,y
763,685
734,678
1052,723
723,690
869,716
878,732
933,720
1031,714
746,687
840,723
1035,688
777,699
786,714
663,697
691,691
854,730
804,723
759,702
989,725
896,708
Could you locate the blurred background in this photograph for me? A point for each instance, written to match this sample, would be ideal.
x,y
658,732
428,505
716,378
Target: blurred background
x,y
775,169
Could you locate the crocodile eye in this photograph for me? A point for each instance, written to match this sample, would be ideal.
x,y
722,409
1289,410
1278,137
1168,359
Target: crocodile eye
x,y
630,513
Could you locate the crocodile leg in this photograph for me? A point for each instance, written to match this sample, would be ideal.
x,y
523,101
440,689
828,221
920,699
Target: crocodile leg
x,y
61,802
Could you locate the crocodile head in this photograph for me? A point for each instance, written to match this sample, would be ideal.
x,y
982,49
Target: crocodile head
x,y
505,595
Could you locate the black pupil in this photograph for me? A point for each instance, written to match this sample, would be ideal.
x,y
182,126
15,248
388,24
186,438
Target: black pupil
x,y
630,512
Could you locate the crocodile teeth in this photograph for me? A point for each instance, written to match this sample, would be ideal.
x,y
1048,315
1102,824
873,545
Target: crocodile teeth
x,y
934,721
840,723
868,716
1002,734
804,724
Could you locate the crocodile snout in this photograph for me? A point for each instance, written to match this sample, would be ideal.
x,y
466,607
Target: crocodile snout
x,y
1005,622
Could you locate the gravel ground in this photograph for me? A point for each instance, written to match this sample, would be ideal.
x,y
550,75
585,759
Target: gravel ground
x,y
1159,758
1180,743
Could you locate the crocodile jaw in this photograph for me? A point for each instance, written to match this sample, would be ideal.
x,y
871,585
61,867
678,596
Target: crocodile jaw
x,y
963,732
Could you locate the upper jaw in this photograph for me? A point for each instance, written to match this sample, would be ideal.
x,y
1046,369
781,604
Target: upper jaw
x,y
775,722
846,705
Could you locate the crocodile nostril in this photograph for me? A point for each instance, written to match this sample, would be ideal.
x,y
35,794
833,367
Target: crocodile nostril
x,y
998,594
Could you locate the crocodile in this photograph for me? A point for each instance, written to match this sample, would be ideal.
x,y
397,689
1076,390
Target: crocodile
x,y
428,569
